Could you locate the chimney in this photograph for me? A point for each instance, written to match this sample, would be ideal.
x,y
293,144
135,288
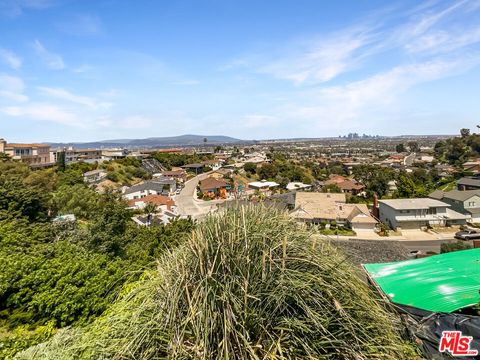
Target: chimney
x,y
375,210
3,144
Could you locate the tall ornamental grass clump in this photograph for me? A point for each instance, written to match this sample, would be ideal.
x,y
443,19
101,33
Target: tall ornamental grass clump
x,y
249,284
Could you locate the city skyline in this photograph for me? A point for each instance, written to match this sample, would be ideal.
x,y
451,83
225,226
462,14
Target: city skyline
x,y
77,72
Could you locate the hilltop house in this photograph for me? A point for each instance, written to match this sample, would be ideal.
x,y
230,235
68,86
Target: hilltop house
x,y
465,202
418,213
73,155
35,155
94,176
317,208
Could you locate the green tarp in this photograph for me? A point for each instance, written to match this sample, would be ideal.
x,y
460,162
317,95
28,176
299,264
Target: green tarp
x,y
439,283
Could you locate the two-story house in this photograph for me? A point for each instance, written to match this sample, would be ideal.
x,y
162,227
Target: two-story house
x,y
418,213
466,202
35,155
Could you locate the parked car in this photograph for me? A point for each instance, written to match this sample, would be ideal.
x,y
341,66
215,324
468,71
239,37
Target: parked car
x,y
467,235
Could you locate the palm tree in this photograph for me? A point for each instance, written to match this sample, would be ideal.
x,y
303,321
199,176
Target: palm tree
x,y
150,209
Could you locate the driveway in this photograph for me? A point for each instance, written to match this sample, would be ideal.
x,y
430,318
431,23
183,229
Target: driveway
x,y
188,204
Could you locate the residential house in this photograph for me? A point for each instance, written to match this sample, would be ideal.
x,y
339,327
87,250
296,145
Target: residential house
x,y
349,166
221,173
351,187
262,185
94,176
215,187
178,175
163,203
465,202
146,188
196,168
213,164
472,166
298,186
418,213
469,183
73,155
114,154
317,208
444,170
170,184
335,179
345,185
35,155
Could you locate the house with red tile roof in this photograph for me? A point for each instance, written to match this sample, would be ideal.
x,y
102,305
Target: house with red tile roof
x,y
162,202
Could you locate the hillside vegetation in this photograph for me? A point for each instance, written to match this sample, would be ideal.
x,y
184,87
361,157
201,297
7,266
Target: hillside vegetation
x,y
56,274
248,284
457,150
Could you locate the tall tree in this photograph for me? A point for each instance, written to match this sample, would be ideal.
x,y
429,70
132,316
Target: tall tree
x,y
413,146
400,148
61,161
465,132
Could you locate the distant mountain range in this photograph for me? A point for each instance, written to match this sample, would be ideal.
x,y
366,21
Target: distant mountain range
x,y
170,141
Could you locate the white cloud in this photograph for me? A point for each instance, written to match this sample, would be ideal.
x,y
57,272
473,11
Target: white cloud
x,y
321,60
43,112
51,60
358,101
82,24
63,94
10,58
442,41
431,27
12,88
15,8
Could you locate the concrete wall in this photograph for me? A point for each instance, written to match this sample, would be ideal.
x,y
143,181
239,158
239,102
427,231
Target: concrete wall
x,y
387,215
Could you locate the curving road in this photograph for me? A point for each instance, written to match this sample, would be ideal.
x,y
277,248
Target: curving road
x,y
188,204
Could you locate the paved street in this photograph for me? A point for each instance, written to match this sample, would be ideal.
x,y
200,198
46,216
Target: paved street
x,y
427,245
187,202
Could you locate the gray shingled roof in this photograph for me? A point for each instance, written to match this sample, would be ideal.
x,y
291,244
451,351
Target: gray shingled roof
x,y
454,194
411,204
148,185
469,181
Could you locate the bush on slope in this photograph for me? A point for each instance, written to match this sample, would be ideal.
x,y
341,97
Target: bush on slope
x,y
249,284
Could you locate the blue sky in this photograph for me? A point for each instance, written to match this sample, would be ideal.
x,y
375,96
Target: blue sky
x,y
101,69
